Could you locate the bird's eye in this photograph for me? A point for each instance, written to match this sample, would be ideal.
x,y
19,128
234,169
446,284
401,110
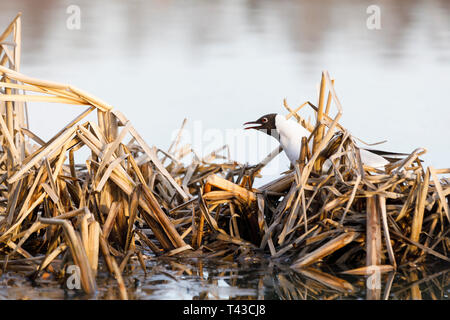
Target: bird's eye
x,y
264,120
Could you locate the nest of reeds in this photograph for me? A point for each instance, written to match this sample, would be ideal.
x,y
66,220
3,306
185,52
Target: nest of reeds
x,y
129,199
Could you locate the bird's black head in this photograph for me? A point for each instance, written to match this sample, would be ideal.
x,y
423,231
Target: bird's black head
x,y
266,124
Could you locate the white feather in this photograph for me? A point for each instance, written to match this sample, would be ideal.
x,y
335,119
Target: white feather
x,y
290,137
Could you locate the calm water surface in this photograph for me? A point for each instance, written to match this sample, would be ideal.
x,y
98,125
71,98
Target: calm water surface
x,y
221,63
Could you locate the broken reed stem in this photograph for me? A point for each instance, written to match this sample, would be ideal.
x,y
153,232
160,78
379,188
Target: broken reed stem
x,y
133,214
327,108
387,237
113,267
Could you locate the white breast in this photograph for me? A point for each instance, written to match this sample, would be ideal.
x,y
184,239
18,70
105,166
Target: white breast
x,y
290,138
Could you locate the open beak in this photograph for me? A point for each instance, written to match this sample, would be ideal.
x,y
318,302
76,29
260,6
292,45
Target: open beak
x,y
252,122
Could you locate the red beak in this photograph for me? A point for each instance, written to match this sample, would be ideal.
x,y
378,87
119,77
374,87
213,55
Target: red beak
x,y
252,122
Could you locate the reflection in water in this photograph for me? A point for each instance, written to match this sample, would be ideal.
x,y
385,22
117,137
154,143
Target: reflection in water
x,y
275,281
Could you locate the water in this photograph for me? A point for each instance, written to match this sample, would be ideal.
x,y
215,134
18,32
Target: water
x,y
221,63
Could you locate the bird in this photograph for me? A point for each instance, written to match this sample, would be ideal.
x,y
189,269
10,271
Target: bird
x,y
289,134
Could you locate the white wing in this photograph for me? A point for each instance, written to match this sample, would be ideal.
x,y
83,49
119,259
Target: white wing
x,y
291,134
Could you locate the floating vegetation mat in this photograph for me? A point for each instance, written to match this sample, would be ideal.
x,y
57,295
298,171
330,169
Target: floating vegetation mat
x,y
128,199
